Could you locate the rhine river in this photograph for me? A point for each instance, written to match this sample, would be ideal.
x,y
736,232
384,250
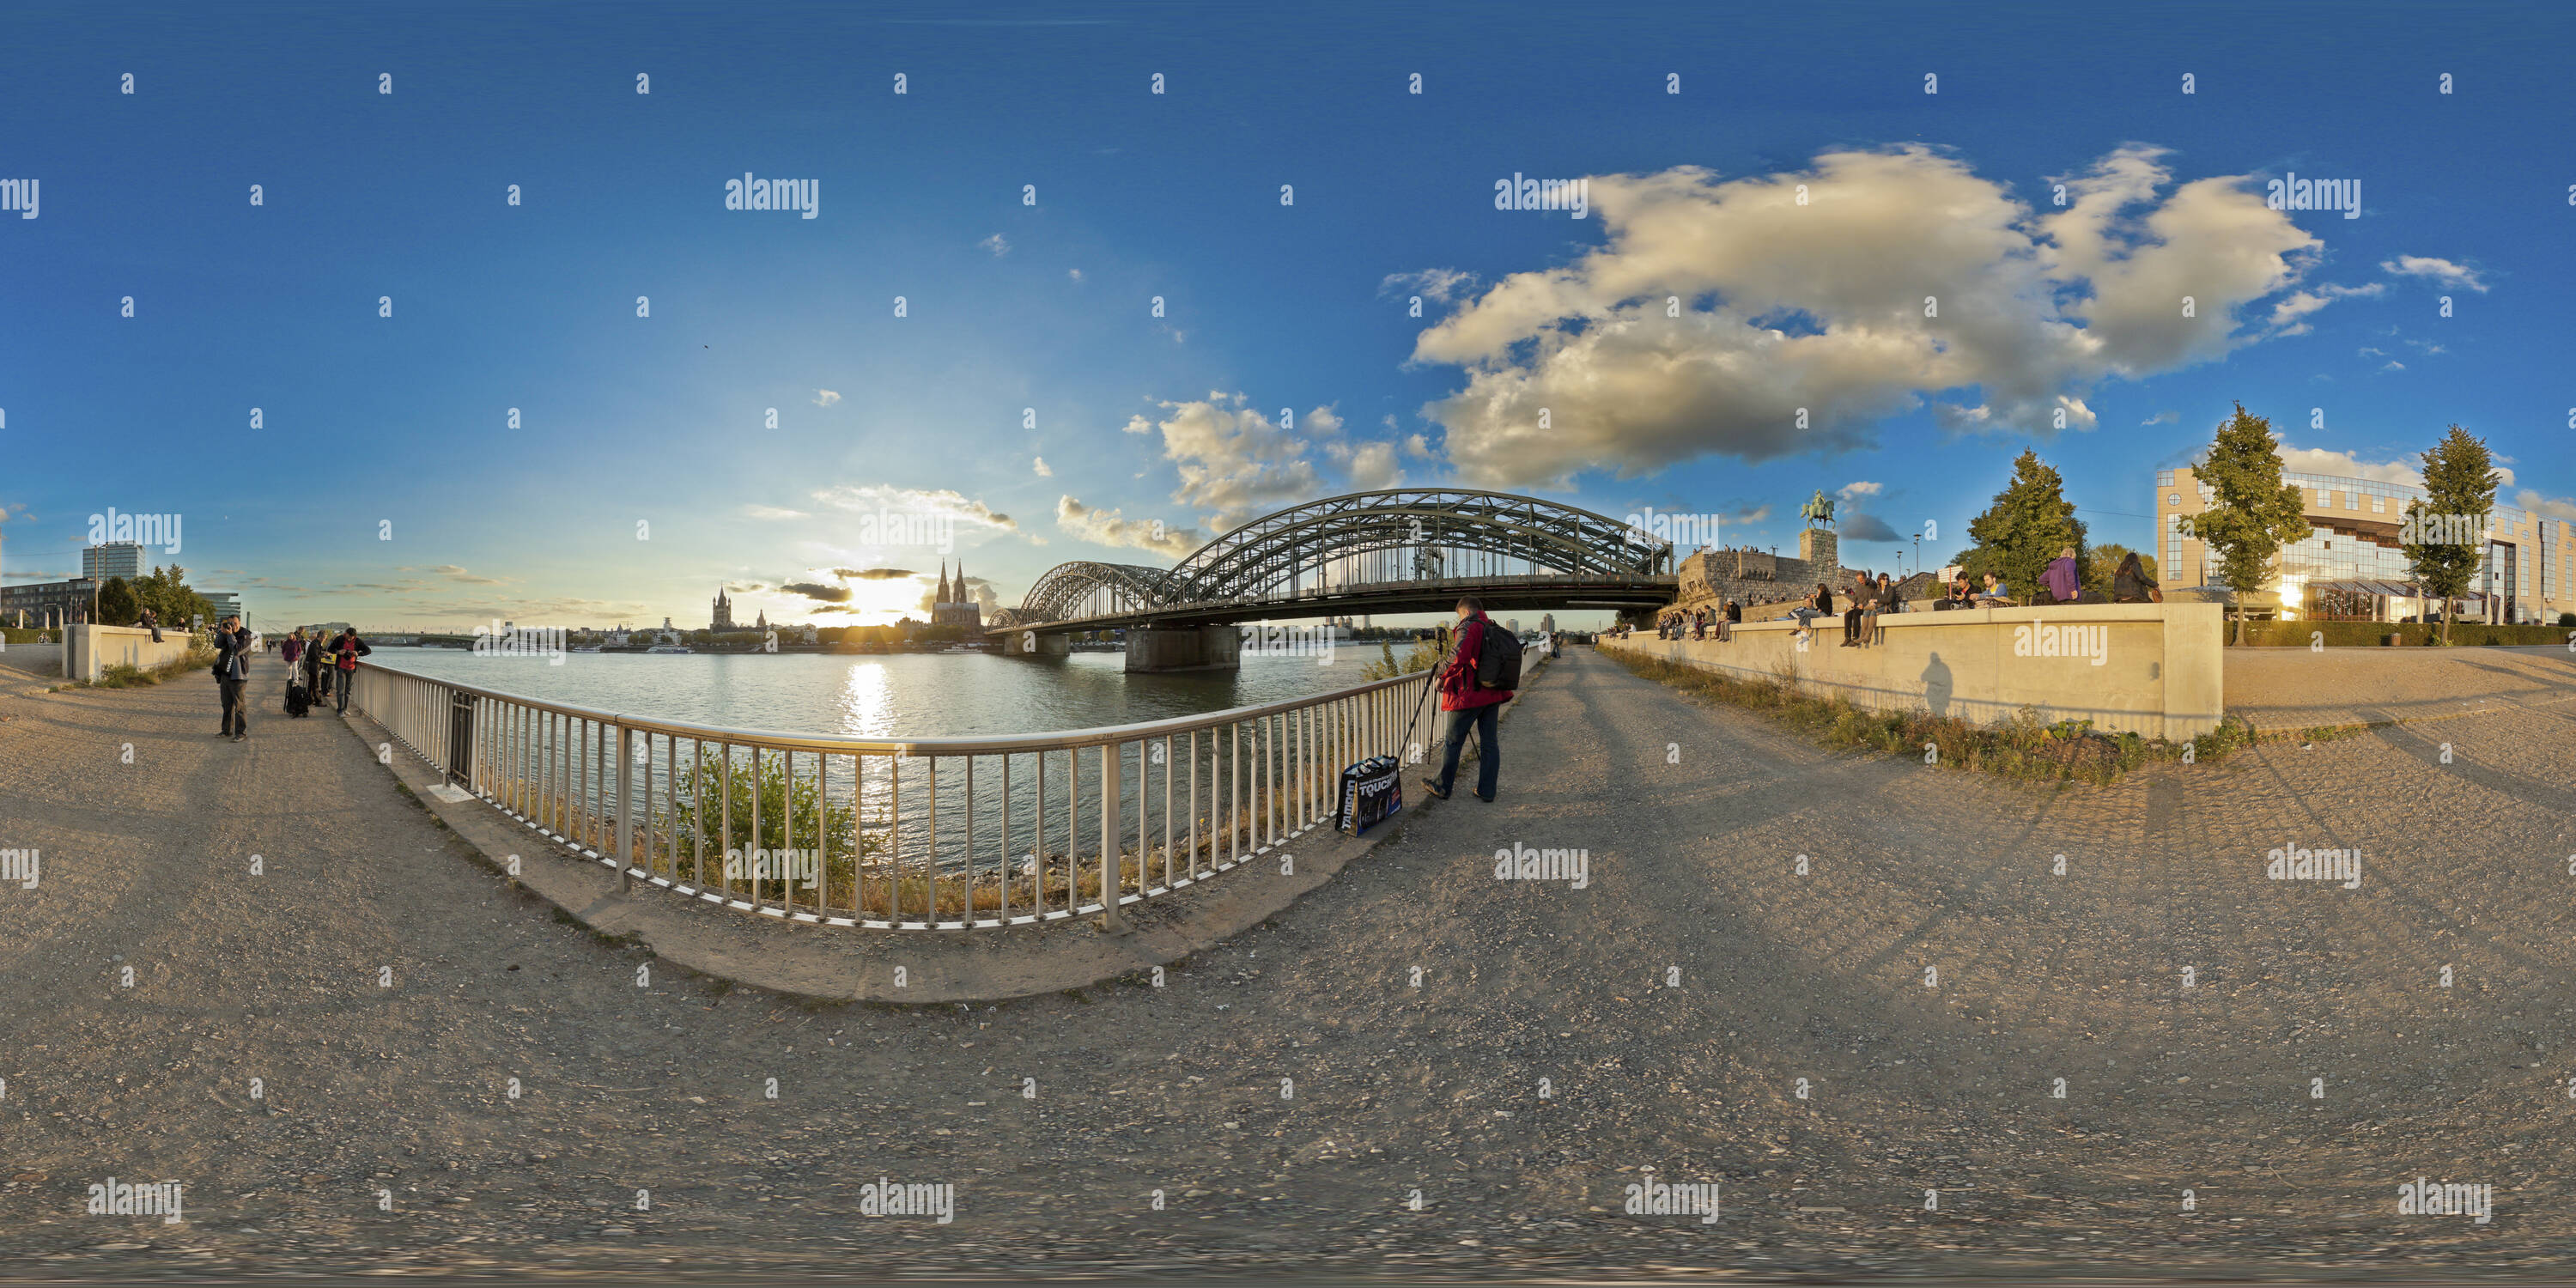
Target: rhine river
x,y
891,695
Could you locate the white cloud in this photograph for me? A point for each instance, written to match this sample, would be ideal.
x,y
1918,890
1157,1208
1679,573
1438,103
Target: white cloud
x,y
2288,315
1371,467
1111,528
996,244
1417,447
2162,418
874,498
1323,421
1043,471
1434,285
2318,460
2442,271
1235,463
825,398
2554,507
1074,273
759,511
1820,307
1850,491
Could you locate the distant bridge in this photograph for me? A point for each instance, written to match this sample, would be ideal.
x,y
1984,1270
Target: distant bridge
x,y
1408,550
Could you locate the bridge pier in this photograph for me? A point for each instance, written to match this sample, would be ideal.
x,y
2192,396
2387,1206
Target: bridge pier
x,y
1184,648
1032,644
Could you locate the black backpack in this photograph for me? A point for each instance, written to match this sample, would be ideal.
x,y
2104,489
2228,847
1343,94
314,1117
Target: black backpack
x,y
1498,658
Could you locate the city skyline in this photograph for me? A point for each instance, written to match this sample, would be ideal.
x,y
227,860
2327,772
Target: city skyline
x,y
1130,319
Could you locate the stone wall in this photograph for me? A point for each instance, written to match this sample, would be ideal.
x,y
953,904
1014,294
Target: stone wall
x,y
1753,578
90,650
2149,669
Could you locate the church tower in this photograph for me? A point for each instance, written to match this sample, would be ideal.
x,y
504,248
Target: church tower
x,y
723,611
953,606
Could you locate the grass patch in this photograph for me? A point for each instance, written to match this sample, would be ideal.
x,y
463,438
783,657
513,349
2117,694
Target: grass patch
x,y
126,675
2022,747
2304,634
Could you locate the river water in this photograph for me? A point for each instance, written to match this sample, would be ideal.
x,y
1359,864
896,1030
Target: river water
x,y
893,695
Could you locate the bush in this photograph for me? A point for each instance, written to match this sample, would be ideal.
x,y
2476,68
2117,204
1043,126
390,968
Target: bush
x,y
1424,655
704,803
2567,619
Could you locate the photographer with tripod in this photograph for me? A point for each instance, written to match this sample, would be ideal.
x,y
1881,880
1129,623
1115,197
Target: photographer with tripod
x,y
1474,683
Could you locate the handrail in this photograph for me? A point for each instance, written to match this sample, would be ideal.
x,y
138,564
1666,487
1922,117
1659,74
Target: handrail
x,y
961,746
896,833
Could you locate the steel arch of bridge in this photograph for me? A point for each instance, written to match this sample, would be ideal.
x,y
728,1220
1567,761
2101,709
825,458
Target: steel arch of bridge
x,y
1131,588
1269,551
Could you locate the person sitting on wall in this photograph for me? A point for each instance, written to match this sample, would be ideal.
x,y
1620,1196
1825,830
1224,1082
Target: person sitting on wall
x,y
1864,597
2131,584
2059,580
1996,594
1726,621
1819,603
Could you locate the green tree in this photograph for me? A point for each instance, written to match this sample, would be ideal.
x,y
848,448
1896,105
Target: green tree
x,y
2251,513
166,592
2105,562
2028,523
116,606
2460,486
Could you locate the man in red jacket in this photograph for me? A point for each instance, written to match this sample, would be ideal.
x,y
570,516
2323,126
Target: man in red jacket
x,y
1468,706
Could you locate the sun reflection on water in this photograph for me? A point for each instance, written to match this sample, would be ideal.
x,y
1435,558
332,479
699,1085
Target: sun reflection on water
x,y
867,701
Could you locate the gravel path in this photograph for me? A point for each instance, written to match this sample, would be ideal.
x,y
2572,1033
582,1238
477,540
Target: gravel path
x,y
1692,821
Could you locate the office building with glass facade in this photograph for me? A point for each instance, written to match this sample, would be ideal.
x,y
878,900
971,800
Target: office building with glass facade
x,y
2350,565
112,559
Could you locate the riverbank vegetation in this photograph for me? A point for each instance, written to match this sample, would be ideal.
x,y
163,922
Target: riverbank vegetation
x,y
2022,747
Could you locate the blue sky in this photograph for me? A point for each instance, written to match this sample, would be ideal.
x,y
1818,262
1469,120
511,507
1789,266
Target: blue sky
x,y
398,425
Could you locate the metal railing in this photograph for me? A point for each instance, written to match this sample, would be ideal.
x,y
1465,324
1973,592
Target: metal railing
x,y
909,834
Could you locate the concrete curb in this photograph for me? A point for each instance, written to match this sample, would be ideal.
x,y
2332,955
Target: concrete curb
x,y
844,964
